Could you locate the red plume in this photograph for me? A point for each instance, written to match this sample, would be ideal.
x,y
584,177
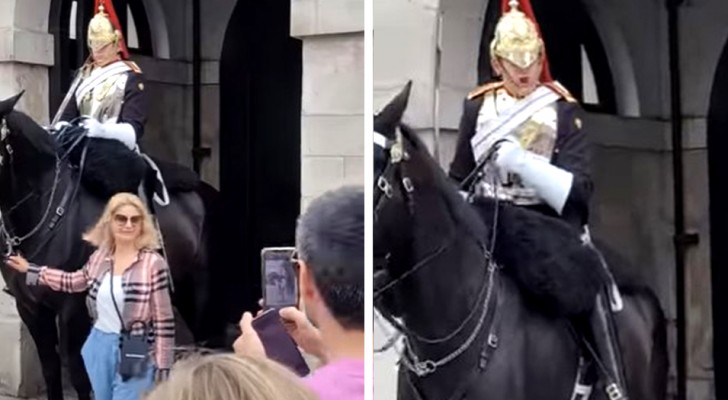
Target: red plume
x,y
109,10
525,7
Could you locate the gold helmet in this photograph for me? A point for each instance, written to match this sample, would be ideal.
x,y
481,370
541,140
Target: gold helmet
x,y
517,38
104,28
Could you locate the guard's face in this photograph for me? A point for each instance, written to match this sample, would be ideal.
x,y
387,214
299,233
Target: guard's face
x,y
519,81
105,55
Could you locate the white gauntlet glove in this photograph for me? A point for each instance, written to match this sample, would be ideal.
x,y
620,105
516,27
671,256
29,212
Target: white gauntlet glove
x,y
552,183
122,132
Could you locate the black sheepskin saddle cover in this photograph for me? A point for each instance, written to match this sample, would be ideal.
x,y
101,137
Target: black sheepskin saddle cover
x,y
557,274
110,167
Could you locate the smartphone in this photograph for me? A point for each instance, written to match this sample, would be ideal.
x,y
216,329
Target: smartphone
x,y
279,346
280,277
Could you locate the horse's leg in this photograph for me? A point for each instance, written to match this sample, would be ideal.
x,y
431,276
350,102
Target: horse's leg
x,y
405,388
74,327
643,337
41,323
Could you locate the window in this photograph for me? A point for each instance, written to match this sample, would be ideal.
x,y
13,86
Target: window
x,y
72,20
589,85
132,38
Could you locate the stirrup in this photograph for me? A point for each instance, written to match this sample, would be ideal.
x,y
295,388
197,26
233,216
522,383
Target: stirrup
x,y
583,386
608,349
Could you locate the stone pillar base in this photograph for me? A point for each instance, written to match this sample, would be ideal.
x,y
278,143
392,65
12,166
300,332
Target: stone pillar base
x,y
20,372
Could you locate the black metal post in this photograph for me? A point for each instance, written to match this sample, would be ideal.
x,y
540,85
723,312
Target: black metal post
x,y
197,152
681,238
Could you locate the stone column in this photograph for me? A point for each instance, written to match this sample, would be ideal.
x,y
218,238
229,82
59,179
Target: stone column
x,y
332,106
26,52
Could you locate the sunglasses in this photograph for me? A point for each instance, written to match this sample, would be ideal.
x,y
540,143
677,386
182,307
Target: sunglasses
x,y
125,219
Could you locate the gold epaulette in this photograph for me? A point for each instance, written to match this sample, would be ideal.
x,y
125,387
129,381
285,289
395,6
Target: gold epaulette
x,y
134,67
481,90
561,91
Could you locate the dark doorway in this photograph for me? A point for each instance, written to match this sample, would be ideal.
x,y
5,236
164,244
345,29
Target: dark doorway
x,y
717,141
568,33
260,151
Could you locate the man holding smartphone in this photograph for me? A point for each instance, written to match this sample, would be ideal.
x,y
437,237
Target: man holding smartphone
x,y
330,246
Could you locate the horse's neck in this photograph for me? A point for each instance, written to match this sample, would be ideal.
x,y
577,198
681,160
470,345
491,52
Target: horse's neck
x,y
447,291
30,205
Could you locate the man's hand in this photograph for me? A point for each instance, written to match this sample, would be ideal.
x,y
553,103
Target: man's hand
x,y
508,154
58,126
306,336
248,343
94,127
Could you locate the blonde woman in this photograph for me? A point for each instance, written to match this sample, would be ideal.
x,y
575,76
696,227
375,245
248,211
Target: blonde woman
x,y
229,377
128,298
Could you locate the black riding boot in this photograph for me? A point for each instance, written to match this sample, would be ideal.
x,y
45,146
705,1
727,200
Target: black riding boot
x,y
604,336
146,193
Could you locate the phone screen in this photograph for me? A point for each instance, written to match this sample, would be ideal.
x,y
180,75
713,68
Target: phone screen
x,y
280,278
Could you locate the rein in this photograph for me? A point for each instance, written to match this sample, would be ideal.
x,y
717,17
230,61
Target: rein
x,y
74,136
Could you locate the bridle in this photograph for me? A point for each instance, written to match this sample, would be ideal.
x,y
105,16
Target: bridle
x,y
71,136
394,175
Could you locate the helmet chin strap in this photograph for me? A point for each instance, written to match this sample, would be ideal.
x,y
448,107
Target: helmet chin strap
x,y
507,78
109,61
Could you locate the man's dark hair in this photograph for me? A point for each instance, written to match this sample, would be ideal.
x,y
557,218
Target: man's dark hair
x,y
330,240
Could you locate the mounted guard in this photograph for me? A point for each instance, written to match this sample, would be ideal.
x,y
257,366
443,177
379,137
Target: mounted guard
x,y
521,141
109,94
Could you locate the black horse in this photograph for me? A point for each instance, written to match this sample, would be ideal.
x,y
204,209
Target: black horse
x,y
45,208
446,276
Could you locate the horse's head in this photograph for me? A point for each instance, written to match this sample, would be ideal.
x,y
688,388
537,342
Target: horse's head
x,y
392,218
25,147
420,219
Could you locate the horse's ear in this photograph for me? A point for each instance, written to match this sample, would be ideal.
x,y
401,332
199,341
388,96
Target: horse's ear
x,y
387,120
8,104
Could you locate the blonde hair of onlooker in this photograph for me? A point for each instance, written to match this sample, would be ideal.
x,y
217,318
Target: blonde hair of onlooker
x,y
230,377
100,234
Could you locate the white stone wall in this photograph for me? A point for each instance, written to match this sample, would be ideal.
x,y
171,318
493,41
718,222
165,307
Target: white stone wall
x,y
26,52
332,107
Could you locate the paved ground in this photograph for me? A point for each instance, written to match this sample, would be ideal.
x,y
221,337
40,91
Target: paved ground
x,y
385,374
68,396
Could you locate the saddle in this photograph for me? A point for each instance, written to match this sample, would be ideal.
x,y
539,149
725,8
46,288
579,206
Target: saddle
x,y
110,167
557,273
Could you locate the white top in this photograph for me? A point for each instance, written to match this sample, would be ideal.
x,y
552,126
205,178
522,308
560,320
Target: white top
x,y
108,319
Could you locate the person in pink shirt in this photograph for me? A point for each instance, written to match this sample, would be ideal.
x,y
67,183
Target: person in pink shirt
x,y
330,247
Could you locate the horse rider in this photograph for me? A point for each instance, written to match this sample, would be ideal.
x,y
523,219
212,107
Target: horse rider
x,y
109,90
527,124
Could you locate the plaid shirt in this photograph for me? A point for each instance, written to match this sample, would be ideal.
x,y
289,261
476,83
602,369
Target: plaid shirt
x,y
146,288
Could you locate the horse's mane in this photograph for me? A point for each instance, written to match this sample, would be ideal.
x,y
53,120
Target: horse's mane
x,y
463,214
21,123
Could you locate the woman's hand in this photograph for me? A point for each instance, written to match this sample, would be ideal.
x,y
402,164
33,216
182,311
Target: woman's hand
x,y
18,263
